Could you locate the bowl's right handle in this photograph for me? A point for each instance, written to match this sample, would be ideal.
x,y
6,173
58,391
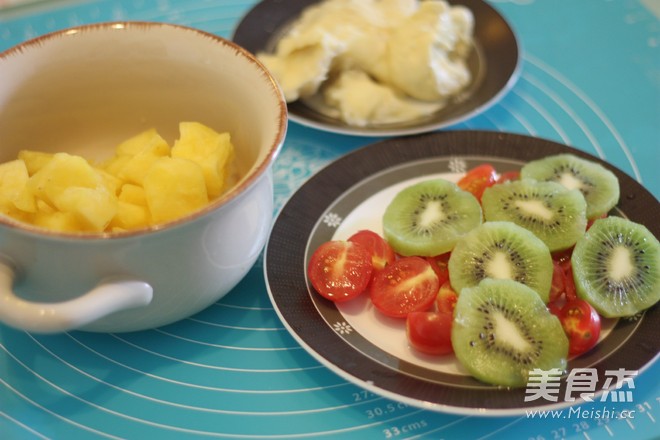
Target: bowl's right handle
x,y
107,297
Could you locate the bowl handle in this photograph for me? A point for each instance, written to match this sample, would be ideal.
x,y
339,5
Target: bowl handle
x,y
110,295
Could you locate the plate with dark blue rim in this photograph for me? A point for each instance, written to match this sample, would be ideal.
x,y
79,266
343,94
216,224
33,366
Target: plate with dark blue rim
x,y
370,350
494,65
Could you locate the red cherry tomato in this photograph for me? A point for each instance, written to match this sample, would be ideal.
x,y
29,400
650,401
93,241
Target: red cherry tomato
x,y
407,285
430,332
478,179
439,263
508,176
563,284
563,257
381,252
340,270
569,283
446,299
558,285
564,260
582,325
590,222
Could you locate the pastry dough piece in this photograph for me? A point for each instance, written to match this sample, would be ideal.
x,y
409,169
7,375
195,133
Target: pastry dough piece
x,y
426,55
302,71
361,101
398,50
305,55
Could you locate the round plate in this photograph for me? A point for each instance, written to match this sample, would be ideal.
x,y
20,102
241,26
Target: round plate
x,y
494,66
370,350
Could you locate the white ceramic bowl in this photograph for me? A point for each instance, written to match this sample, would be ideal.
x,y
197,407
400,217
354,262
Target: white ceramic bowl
x,y
82,91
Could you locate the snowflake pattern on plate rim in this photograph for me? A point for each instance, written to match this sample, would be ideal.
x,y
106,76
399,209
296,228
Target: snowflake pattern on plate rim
x,y
332,219
342,327
457,165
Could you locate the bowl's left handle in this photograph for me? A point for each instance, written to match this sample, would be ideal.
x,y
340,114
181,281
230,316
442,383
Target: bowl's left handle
x,y
107,297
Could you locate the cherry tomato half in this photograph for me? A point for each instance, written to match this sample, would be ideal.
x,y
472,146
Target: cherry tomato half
x,y
381,252
446,299
590,222
478,179
563,257
340,270
569,283
430,332
564,260
508,176
407,285
440,263
563,285
582,325
558,285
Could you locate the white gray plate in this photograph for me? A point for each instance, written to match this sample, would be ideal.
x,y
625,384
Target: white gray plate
x,y
494,65
370,350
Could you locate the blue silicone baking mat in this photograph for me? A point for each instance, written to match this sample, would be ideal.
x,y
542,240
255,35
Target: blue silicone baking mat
x,y
589,78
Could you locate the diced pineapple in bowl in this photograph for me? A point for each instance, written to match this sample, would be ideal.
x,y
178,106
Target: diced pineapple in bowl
x,y
135,174
138,187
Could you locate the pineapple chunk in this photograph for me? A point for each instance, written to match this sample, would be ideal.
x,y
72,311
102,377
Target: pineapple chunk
x,y
111,183
13,178
130,216
13,188
143,184
25,201
148,140
44,208
34,160
93,208
211,150
134,169
62,172
134,194
135,155
115,164
174,187
9,209
57,221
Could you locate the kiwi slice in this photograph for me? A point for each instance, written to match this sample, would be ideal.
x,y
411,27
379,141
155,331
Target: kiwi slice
x,y
427,218
616,267
502,330
553,213
501,250
599,185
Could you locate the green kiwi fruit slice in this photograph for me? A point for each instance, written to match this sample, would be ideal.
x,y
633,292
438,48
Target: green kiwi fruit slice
x,y
502,330
616,267
501,250
599,185
553,213
427,218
